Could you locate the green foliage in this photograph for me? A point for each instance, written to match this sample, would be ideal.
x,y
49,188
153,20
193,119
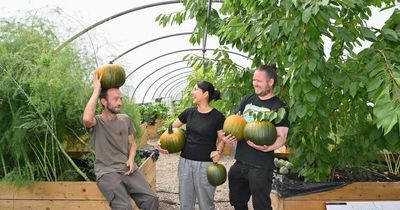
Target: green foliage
x,y
132,110
42,96
343,109
153,111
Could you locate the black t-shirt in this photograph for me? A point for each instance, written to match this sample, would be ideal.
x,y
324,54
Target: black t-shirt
x,y
249,155
201,133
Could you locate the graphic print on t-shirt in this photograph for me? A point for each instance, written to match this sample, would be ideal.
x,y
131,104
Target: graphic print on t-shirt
x,y
251,109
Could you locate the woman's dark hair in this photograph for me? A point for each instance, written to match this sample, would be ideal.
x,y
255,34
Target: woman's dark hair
x,y
212,93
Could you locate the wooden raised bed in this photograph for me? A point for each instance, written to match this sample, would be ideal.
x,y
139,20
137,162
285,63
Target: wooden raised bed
x,y
64,195
358,191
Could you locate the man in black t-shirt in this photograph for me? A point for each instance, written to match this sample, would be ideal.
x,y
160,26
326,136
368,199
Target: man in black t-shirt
x,y
252,173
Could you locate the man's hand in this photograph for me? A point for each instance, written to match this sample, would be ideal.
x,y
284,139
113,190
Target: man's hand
x,y
97,80
262,148
215,155
161,150
230,139
130,165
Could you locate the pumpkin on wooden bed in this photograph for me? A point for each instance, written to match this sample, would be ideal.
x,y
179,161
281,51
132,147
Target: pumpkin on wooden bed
x,y
234,125
173,140
112,76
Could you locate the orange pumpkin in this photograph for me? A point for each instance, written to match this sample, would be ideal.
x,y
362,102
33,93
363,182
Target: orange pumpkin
x,y
234,125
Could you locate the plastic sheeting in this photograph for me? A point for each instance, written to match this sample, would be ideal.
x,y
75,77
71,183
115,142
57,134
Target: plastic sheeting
x,y
286,187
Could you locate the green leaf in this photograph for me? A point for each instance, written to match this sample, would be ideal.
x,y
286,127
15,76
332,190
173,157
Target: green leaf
x,y
281,114
316,81
312,64
295,3
389,32
310,158
274,30
374,83
312,96
369,35
301,111
353,89
306,15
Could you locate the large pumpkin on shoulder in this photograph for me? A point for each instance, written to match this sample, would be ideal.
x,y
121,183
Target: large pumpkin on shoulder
x,y
216,174
234,125
112,76
260,132
173,140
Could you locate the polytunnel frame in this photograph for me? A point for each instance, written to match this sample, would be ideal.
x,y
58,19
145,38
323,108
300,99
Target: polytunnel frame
x,y
174,95
176,85
87,29
154,71
166,80
144,96
183,50
154,94
177,51
171,83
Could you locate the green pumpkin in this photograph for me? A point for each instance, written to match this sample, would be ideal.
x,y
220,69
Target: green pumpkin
x,y
216,174
234,125
173,140
112,76
260,132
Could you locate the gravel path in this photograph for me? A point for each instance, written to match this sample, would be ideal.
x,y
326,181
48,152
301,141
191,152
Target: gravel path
x,y
167,181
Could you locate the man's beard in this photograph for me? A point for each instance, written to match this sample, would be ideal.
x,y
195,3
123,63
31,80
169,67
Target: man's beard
x,y
264,92
113,110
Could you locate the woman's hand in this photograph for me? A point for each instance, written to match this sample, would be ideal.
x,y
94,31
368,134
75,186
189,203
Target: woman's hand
x,y
161,150
215,156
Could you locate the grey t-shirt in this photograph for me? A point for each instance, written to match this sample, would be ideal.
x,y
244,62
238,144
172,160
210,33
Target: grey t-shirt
x,y
110,142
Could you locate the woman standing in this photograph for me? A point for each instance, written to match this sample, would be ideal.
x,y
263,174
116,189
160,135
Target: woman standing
x,y
203,127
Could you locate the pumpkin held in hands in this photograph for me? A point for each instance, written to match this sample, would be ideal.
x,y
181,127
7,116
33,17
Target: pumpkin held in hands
x,y
216,174
260,132
112,76
172,140
234,125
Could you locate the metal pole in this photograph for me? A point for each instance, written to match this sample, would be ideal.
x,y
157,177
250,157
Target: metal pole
x,y
169,64
178,51
171,83
174,86
112,17
150,41
149,88
175,70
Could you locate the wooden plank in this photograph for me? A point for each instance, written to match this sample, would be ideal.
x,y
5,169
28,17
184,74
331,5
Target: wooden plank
x,y
53,190
53,204
357,191
64,195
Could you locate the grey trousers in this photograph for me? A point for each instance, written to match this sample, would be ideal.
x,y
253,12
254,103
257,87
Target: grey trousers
x,y
193,183
117,187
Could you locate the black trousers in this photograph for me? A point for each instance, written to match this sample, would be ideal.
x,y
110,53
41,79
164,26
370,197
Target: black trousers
x,y
246,181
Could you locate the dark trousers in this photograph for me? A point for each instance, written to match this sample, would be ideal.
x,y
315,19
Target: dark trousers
x,y
246,181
